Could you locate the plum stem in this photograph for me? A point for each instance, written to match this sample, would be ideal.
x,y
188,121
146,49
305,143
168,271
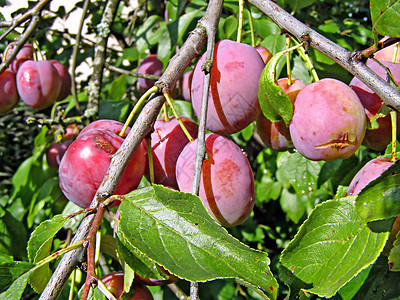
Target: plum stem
x,y
166,119
289,69
171,105
253,37
71,291
307,59
393,116
240,24
138,104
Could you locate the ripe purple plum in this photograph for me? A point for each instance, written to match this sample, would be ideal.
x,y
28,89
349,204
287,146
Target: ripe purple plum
x,y
86,161
371,171
115,284
151,65
9,97
55,153
233,96
38,83
24,54
186,82
387,53
276,135
227,183
66,81
376,139
264,53
167,142
328,122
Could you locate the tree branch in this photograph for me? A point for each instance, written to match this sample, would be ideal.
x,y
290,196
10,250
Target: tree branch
x,y
104,29
345,58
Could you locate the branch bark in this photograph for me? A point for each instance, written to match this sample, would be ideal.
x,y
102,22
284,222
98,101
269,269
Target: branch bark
x,y
345,58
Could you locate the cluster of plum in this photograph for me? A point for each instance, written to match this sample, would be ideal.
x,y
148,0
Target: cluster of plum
x,y
38,83
331,119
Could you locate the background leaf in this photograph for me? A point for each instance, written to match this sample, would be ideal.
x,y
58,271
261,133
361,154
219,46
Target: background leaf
x,y
175,230
385,16
332,246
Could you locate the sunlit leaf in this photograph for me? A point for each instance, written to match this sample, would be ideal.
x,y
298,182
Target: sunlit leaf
x,y
175,230
385,16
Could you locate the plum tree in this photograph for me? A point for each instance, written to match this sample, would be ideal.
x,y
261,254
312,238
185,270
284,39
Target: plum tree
x,y
9,97
227,183
115,284
376,138
233,99
150,65
369,172
86,161
276,135
167,142
153,282
38,83
328,121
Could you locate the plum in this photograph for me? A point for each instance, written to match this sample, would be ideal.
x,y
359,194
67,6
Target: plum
x,y
9,97
38,83
379,138
24,54
328,122
167,142
276,135
66,81
115,284
264,53
227,183
387,53
86,161
233,97
185,83
150,65
371,171
55,153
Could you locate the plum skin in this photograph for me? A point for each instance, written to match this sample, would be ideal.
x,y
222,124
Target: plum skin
x,y
379,138
233,95
9,97
85,164
38,83
167,142
369,172
328,122
66,80
150,65
227,183
55,153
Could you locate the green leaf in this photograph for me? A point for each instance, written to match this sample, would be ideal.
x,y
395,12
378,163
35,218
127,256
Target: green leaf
x,y
394,255
293,205
13,235
118,88
297,5
113,110
10,271
175,230
14,292
380,199
348,291
332,246
275,103
297,171
39,247
385,17
41,236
